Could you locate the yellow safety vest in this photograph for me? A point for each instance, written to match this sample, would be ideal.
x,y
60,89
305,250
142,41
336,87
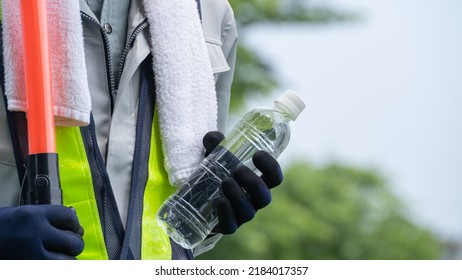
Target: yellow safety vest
x,y
78,192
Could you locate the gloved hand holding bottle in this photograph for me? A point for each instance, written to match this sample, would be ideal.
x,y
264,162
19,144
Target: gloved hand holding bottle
x,y
222,193
244,191
40,232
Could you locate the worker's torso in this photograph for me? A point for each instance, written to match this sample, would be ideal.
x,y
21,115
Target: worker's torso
x,y
115,94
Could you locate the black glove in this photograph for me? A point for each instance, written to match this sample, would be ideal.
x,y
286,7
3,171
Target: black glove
x,y
245,192
47,232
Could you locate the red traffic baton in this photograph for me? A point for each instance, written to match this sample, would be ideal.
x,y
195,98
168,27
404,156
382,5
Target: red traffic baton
x,y
43,186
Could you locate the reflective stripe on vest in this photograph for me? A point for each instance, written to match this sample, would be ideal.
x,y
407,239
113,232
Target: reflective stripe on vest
x,y
155,243
78,192
77,186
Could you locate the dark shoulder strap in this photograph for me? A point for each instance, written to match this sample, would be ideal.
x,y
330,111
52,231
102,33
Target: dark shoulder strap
x,y
199,8
18,133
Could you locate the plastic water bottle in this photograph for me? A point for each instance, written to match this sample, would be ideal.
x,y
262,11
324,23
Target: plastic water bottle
x,y
189,215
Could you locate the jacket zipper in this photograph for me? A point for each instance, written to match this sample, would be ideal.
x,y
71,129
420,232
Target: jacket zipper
x,y
128,46
113,84
107,52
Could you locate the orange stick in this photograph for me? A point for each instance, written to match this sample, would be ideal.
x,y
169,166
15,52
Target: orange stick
x,y
40,117
42,162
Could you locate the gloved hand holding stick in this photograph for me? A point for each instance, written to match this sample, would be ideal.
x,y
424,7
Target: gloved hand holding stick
x,y
42,164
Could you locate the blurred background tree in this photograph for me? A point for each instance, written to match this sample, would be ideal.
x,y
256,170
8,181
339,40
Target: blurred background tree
x,y
254,75
331,212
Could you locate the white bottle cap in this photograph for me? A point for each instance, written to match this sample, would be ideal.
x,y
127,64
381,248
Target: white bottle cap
x,y
292,101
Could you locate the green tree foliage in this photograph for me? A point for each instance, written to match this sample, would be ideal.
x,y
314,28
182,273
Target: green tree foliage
x,y
332,212
253,74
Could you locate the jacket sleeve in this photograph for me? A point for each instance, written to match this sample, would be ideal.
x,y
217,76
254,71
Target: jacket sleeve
x,y
224,79
220,34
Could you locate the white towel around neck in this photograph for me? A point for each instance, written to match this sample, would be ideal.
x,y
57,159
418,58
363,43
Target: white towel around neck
x,y
185,89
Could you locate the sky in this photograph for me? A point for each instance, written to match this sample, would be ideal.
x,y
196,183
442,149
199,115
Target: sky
x,y
384,93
